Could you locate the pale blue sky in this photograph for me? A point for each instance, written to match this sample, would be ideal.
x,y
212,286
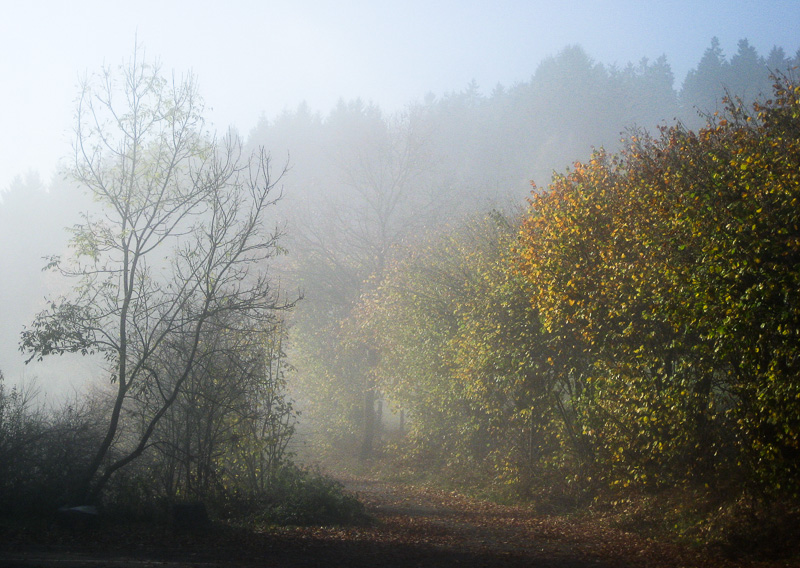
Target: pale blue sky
x,y
254,57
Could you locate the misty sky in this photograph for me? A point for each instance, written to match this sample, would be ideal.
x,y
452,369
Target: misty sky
x,y
254,57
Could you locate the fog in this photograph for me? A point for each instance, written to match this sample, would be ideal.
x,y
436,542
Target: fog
x,y
542,252
395,121
34,217
263,57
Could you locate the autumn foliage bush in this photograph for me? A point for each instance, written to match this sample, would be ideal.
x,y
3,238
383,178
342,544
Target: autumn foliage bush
x,y
671,272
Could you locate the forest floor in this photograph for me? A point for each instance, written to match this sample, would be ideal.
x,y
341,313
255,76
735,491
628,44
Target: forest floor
x,y
412,527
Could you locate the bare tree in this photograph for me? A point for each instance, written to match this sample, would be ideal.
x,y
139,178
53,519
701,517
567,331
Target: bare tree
x,y
181,242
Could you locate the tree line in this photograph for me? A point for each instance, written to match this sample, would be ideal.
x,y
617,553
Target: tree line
x,y
634,327
383,188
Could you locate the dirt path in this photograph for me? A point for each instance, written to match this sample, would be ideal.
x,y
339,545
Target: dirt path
x,y
490,534
413,527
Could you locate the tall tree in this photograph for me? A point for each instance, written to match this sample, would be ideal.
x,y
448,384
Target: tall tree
x,y
674,267
749,75
704,86
180,246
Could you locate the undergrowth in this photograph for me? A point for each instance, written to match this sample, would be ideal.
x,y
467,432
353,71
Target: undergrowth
x,y
732,523
299,496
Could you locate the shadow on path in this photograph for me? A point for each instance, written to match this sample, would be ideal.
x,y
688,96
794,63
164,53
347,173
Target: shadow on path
x,y
413,527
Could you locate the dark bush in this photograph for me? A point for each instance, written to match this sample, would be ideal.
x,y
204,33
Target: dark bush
x,y
42,451
299,496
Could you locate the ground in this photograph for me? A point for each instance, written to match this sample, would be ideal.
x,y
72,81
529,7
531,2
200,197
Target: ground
x,y
411,527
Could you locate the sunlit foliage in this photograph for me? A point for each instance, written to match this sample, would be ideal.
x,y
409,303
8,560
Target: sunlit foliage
x,y
671,271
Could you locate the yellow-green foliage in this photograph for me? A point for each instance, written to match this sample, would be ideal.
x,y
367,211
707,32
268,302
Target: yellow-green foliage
x,y
673,269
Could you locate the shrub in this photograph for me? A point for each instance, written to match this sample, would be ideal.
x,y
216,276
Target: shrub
x,y
42,451
299,496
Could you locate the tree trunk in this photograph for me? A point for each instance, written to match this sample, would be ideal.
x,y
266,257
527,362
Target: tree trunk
x,y
369,422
